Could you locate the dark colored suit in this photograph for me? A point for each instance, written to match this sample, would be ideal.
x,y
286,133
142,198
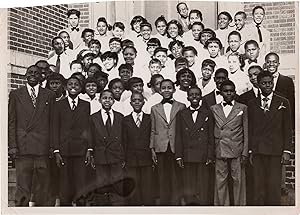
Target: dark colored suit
x,y
71,139
163,142
136,142
270,134
29,132
194,143
246,97
209,99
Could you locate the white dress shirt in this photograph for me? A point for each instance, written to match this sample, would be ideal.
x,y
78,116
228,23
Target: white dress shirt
x,y
219,97
105,116
269,100
167,108
227,109
36,89
70,100
195,114
135,115
275,79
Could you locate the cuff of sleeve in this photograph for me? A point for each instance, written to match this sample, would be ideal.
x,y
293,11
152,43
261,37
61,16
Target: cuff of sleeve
x,y
178,159
287,151
56,151
90,150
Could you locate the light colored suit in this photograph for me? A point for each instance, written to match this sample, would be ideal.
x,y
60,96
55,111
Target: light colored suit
x,y
231,142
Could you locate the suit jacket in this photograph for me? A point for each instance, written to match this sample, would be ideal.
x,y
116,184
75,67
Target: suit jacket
x,y
108,148
28,127
194,142
231,133
71,128
136,141
285,87
246,97
209,100
162,132
270,133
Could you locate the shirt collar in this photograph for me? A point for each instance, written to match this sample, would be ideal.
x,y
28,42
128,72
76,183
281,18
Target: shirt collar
x,y
71,100
255,90
104,111
276,74
134,114
200,103
36,89
269,96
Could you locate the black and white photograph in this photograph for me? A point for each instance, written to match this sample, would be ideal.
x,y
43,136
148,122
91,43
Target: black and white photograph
x,y
150,104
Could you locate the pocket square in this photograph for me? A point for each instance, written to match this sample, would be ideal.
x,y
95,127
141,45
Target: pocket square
x,y
281,106
240,113
206,119
47,103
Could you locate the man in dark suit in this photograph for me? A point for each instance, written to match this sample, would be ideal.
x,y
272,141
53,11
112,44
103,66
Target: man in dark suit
x,y
136,140
194,144
70,141
270,139
30,114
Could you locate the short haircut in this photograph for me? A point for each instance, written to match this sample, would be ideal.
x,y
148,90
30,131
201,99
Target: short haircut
x,y
113,81
272,53
87,30
241,13
125,66
221,70
153,79
167,80
256,67
153,61
94,41
198,12
213,40
129,47
258,7
175,42
114,39
106,91
76,78
34,66
226,83
234,33
177,6
55,76
249,42
160,19
109,54
81,79
226,14
134,80
182,71
145,24
75,62
180,61
153,42
73,11
119,25
180,30
263,74
160,49
136,19
189,48
194,87
198,23
55,38
208,62
126,42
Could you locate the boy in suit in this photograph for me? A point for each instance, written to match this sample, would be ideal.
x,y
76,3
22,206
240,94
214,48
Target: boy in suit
x,y
270,140
231,146
106,141
70,141
30,115
194,142
136,140
162,142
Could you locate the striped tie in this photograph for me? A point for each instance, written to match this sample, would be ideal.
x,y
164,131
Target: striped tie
x,y
33,96
138,120
265,104
74,105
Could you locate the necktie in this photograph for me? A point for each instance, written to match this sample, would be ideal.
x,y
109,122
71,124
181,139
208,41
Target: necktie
x,y
57,66
74,105
164,101
194,110
33,96
265,104
138,120
259,33
108,122
227,103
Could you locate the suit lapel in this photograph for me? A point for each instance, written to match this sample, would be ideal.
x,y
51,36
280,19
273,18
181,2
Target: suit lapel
x,y
161,111
233,113
187,117
220,113
199,120
275,103
174,110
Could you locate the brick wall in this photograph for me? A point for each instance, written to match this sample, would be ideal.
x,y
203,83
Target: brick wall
x,y
84,14
280,21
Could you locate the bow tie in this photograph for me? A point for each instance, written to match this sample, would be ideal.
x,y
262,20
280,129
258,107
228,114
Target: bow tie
x,y
164,101
227,103
218,92
252,61
74,28
194,110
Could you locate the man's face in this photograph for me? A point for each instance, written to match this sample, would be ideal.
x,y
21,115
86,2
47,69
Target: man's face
x,y
207,72
91,88
266,85
107,100
272,63
194,18
196,29
115,46
137,87
167,90
219,79
183,10
252,51
137,102
125,74
239,21
129,55
234,43
33,76
223,21
73,20
228,93
59,46
55,85
190,56
146,32
253,73
73,87
194,97
258,16
185,80
117,90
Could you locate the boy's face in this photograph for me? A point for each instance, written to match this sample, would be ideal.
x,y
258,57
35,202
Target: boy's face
x,y
266,85
91,88
234,42
173,30
58,46
207,72
137,102
228,93
183,10
162,57
185,80
73,20
129,56
109,63
76,68
102,28
155,68
137,87
33,76
194,18
92,70
167,90
95,48
157,84
253,73
115,46
213,49
204,37
196,29
252,51
223,21
87,37
125,74
190,56
150,49
87,61
73,87
233,63
176,51
161,27
107,100
117,90
258,16
118,32
194,97
146,32
272,63
55,85
219,79
239,21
